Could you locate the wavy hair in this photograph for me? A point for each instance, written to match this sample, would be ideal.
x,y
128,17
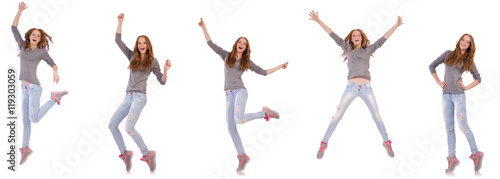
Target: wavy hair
x,y
456,57
137,63
245,57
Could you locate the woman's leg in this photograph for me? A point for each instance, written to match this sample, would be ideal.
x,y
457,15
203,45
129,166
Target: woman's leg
x,y
448,109
26,118
118,116
231,124
36,113
369,99
460,105
138,102
350,93
239,108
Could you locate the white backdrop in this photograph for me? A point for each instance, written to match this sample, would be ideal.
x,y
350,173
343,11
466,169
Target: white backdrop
x,y
184,121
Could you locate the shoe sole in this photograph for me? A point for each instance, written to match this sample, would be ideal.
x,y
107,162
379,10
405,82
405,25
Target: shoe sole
x,y
480,163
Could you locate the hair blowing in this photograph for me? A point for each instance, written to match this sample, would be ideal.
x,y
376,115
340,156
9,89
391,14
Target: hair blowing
x,y
44,39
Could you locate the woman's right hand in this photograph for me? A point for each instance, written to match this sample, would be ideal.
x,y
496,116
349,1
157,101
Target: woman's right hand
x,y
314,16
120,17
442,84
22,7
201,23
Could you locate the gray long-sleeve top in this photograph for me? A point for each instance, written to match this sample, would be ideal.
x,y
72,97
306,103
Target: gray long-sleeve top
x,y
137,79
358,60
232,75
452,74
30,59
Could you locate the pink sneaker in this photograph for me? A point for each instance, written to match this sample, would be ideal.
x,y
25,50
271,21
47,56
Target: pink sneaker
x,y
452,163
321,150
57,95
127,158
388,146
270,113
25,153
150,158
478,160
243,160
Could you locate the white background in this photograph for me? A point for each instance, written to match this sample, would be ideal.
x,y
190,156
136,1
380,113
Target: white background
x,y
184,121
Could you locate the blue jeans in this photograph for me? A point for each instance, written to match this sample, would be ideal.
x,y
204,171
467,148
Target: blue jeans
x,y
131,106
352,91
32,112
456,103
236,100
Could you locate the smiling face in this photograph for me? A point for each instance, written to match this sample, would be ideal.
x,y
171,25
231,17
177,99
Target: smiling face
x,y
465,42
142,45
241,45
35,37
356,38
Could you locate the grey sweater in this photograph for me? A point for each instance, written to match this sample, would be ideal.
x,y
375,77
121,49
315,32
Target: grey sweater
x,y
452,74
358,60
232,76
137,79
30,59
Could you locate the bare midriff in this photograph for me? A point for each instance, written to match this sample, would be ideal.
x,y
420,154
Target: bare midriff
x,y
359,80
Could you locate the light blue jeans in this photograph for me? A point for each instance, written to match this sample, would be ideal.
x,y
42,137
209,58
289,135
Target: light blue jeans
x,y
352,91
455,103
131,106
32,112
236,100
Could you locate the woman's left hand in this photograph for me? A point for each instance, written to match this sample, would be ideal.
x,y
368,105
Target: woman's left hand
x,y
461,85
167,65
284,65
56,77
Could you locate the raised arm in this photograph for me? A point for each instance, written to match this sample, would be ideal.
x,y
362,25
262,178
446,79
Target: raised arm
x,y
120,17
272,70
315,17
399,22
165,68
118,38
205,32
22,7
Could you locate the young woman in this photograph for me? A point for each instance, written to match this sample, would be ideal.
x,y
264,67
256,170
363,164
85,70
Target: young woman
x,y
235,63
142,63
357,50
456,63
33,49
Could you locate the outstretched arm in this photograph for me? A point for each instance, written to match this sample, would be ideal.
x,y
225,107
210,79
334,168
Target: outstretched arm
x,y
165,68
205,32
399,22
22,7
272,70
315,17
120,17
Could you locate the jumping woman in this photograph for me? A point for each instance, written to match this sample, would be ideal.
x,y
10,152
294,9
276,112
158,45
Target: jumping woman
x,y
142,63
357,51
33,49
235,63
456,63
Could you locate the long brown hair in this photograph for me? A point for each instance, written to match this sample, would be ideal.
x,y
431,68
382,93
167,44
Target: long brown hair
x,y
137,63
245,57
364,42
456,57
44,39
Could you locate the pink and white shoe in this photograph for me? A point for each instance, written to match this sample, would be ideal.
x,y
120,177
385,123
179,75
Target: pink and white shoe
x,y
270,113
127,158
57,95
